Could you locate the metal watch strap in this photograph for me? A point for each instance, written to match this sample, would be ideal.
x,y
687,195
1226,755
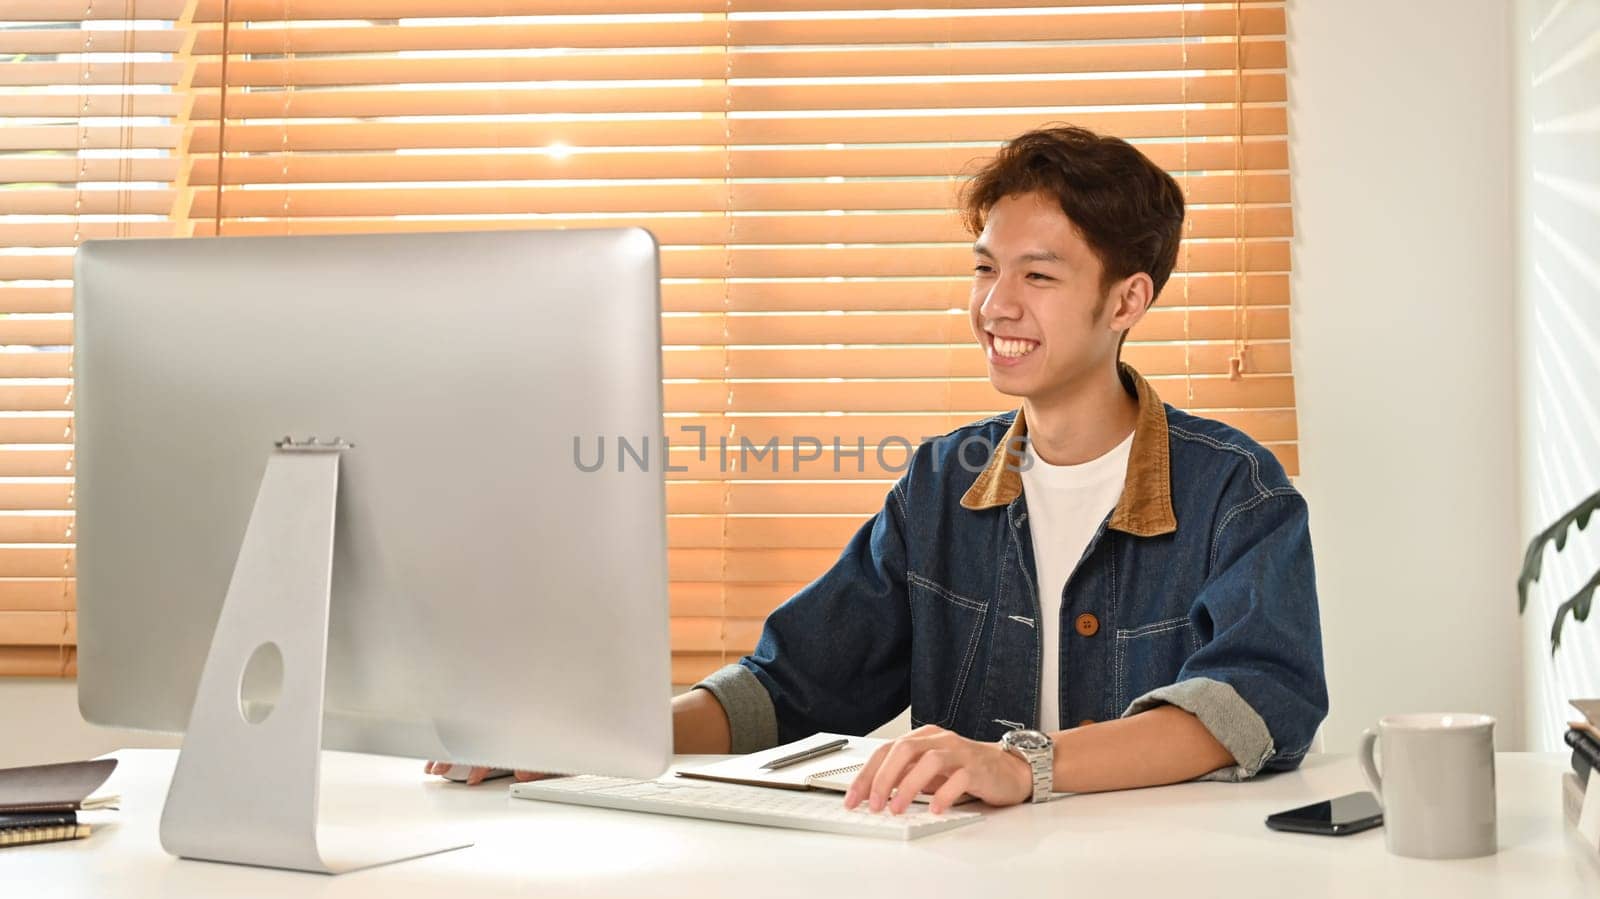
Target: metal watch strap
x,y
1040,758
1041,761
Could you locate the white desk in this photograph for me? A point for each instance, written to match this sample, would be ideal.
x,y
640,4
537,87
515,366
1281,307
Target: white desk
x,y
1200,839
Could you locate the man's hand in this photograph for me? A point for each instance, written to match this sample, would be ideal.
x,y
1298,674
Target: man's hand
x,y
934,759
477,775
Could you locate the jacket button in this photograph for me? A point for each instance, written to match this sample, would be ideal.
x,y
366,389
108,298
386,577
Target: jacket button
x,y
1087,625
1086,722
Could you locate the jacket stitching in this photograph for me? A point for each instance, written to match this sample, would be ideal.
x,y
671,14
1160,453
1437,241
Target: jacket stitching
x,y
958,599
1118,691
1033,596
1247,505
966,668
964,672
1163,626
913,608
1005,573
1116,591
1255,464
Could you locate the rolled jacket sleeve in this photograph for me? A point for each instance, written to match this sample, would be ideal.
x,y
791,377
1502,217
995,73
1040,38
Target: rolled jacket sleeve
x,y
1257,682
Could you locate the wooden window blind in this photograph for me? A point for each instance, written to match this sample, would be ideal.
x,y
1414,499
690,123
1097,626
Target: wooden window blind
x,y
89,103
799,161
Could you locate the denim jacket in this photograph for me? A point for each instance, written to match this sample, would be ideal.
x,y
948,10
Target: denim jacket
x,y
1196,591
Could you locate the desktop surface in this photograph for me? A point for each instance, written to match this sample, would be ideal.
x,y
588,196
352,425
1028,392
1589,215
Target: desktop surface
x,y
1195,839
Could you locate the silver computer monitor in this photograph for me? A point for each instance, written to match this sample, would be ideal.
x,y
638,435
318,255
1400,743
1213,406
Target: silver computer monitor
x,y
492,600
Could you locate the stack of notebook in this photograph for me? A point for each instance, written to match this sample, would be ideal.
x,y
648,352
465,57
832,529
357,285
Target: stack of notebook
x,y
40,803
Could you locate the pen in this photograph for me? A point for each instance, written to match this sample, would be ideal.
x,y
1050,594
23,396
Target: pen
x,y
806,755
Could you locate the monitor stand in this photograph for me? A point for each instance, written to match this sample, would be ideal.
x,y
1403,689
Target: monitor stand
x,y
247,780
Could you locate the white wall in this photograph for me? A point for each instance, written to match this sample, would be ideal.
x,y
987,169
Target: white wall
x,y
1399,144
1557,126
39,723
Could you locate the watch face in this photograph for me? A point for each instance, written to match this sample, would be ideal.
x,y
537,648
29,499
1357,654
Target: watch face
x,y
1029,740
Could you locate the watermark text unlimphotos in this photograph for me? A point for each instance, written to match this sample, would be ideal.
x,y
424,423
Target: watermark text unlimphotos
x,y
893,453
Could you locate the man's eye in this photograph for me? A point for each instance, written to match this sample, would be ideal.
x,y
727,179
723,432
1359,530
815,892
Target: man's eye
x,y
1039,276
982,269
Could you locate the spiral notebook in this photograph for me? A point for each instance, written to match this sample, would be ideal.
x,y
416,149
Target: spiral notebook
x,y
834,771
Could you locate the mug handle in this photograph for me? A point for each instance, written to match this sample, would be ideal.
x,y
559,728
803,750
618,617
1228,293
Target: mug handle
x,y
1369,740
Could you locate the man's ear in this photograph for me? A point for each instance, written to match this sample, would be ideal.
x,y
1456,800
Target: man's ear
x,y
1131,299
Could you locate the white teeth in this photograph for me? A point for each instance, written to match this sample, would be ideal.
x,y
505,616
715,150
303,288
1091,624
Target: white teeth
x,y
1013,348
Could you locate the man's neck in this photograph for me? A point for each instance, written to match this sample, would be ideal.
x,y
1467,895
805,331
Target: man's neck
x,y
1083,421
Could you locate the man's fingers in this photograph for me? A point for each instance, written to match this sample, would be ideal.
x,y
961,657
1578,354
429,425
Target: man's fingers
x,y
862,785
903,754
525,776
932,764
946,796
476,776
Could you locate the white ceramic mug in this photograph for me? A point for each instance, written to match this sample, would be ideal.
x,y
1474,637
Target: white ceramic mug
x,y
1437,786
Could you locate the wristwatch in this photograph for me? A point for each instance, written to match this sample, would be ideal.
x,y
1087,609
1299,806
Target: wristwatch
x,y
1039,751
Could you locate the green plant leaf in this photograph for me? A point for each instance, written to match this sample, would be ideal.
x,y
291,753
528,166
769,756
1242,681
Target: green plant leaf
x,y
1533,559
1578,605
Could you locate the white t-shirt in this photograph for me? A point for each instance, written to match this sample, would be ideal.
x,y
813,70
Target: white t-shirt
x,y
1066,504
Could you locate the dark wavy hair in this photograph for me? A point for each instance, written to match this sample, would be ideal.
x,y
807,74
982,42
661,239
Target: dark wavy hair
x,y
1129,210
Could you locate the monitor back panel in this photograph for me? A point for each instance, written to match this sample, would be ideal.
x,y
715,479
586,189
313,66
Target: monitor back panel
x,y
489,595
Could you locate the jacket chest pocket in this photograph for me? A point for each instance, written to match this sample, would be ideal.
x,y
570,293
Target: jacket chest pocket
x,y
945,629
1150,656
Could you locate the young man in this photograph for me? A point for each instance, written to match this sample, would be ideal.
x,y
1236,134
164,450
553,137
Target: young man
x,y
1094,592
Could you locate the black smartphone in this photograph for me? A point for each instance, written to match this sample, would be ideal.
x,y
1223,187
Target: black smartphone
x,y
1333,817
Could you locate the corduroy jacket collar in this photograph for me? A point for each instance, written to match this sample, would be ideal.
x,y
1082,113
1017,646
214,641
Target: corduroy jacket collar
x,y
1145,509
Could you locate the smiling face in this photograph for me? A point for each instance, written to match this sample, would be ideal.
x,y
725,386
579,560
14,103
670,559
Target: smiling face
x,y
1038,308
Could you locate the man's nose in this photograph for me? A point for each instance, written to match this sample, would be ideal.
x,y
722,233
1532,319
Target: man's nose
x,y
1000,302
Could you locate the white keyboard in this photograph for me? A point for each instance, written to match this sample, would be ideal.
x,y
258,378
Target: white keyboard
x,y
804,810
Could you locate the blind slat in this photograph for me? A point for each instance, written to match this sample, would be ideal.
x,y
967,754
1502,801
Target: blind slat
x,y
33,362
1210,392
93,137
87,105
29,561
1041,26
943,362
712,63
44,74
16,331
704,162
40,661
1264,323
49,594
47,397
67,234
255,10
39,427
714,98
98,201
16,528
38,628
752,196
64,168
272,37
796,227
28,462
700,131
79,10
100,40
338,71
